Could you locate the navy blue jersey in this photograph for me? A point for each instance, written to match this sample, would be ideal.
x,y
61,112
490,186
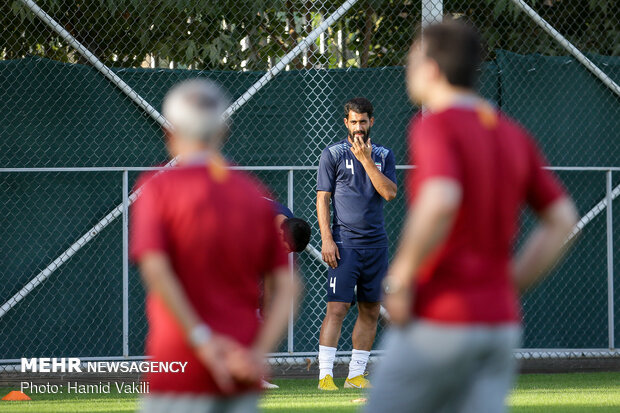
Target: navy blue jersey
x,y
358,207
281,209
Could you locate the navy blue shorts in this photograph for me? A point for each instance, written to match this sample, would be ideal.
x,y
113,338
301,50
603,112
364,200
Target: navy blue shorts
x,y
364,268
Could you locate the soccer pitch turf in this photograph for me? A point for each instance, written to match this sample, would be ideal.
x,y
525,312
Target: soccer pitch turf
x,y
549,393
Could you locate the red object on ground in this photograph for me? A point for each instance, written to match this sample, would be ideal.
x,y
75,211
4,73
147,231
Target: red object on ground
x,y
16,395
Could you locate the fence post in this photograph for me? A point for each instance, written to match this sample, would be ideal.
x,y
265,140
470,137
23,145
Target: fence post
x,y
126,263
610,262
291,264
432,12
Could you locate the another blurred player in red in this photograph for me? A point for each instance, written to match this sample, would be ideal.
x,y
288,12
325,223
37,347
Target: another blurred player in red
x,y
452,289
204,238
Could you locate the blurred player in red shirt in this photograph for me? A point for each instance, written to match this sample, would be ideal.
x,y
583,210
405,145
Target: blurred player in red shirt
x,y
452,288
204,237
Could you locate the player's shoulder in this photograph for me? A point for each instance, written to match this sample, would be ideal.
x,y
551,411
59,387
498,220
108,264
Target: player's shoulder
x,y
253,189
426,123
336,149
171,175
509,121
246,182
145,177
154,178
380,150
514,129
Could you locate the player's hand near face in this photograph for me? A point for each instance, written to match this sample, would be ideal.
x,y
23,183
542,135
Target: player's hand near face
x,y
330,253
361,150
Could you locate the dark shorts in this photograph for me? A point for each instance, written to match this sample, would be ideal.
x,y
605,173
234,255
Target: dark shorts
x,y
364,268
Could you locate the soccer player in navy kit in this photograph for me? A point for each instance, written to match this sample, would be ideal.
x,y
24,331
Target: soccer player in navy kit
x,y
356,176
295,235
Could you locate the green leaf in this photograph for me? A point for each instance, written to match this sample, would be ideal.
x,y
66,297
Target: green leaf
x,y
190,52
500,7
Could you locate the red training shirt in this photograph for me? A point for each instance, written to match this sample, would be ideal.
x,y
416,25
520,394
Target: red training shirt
x,y
218,233
499,168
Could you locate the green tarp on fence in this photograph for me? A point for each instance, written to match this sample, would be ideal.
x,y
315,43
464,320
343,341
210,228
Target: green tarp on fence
x,y
61,115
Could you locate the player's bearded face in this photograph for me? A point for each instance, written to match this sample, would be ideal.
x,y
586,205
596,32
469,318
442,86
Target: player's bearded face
x,y
359,126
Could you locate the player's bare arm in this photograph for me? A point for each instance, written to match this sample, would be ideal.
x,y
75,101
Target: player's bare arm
x,y
160,279
427,226
546,244
329,249
363,152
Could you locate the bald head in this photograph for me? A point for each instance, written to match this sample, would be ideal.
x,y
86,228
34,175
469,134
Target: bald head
x,y
195,108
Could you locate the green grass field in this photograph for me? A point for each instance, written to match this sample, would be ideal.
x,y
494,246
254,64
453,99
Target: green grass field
x,y
548,393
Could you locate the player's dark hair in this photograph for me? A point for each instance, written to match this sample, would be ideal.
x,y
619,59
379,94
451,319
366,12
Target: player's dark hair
x,y
358,105
297,233
457,48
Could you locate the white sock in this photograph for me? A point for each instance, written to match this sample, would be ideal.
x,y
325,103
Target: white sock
x,y
327,355
357,366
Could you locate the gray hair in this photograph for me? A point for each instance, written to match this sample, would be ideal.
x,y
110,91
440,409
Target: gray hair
x,y
195,109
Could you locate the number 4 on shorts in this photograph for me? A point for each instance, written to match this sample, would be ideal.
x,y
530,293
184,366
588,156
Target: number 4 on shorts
x,y
332,284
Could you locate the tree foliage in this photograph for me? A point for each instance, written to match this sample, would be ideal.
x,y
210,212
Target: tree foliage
x,y
235,35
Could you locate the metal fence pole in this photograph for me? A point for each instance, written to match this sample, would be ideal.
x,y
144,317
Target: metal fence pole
x,y
92,59
432,12
610,262
291,264
288,58
118,210
125,263
566,44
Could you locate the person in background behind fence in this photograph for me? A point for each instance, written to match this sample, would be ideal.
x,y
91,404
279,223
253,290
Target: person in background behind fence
x,y
294,232
295,235
203,237
454,271
356,175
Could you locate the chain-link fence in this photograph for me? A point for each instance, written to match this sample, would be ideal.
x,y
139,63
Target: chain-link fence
x,y
83,82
